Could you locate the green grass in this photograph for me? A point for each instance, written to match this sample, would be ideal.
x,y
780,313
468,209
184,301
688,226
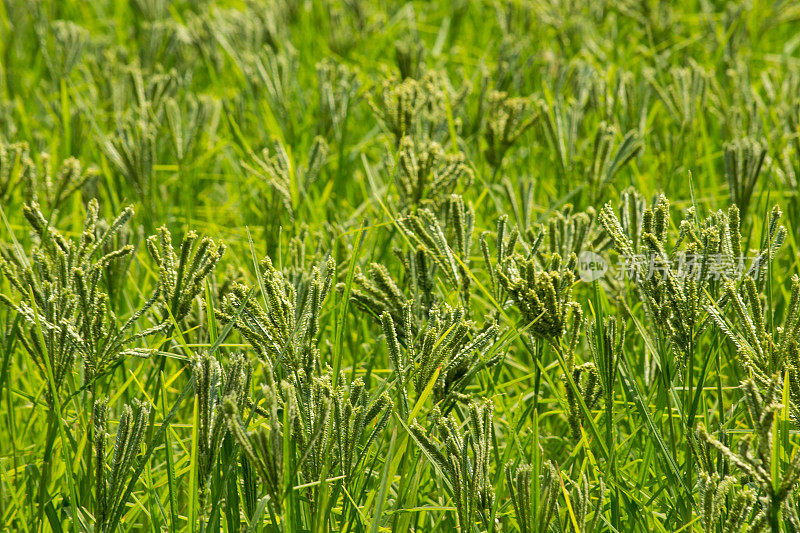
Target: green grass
x,y
350,295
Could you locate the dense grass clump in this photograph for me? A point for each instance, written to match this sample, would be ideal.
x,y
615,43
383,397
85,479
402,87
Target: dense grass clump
x,y
377,266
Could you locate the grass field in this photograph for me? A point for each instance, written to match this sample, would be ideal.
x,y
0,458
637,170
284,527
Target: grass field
x,y
372,266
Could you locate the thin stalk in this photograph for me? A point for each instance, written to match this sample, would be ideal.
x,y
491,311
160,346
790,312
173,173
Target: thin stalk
x,y
689,424
538,377
774,516
46,466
